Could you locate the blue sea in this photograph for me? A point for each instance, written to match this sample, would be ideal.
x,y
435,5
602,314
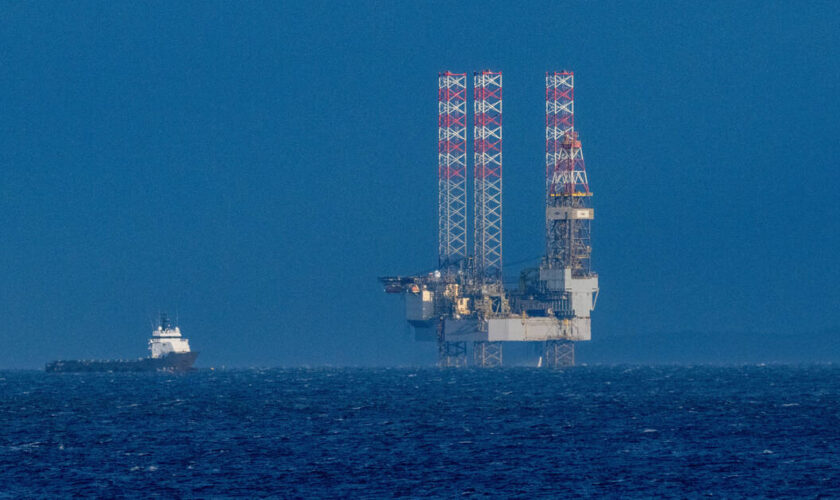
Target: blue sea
x,y
375,433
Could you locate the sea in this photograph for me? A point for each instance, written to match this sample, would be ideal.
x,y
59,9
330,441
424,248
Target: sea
x,y
587,431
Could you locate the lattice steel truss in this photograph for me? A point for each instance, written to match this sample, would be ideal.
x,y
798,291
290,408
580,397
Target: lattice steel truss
x,y
487,354
450,354
567,186
452,168
487,88
559,353
559,118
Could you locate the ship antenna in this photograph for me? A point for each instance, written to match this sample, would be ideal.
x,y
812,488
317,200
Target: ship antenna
x,y
164,321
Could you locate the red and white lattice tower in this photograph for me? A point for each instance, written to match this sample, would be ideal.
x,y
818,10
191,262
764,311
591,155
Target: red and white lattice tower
x,y
559,118
487,87
568,199
452,168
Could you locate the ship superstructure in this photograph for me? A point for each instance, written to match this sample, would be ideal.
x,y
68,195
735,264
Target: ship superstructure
x,y
167,339
465,301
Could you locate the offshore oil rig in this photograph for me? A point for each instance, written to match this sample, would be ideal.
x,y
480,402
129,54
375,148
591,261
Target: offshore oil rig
x,y
464,301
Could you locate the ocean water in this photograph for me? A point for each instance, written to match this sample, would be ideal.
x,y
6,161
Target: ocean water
x,y
585,431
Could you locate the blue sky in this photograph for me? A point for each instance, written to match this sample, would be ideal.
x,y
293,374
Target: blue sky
x,y
255,166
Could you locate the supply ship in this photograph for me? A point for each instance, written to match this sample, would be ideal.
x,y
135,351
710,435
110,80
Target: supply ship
x,y
169,352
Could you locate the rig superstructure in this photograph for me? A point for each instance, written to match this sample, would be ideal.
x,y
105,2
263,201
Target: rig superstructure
x,y
465,301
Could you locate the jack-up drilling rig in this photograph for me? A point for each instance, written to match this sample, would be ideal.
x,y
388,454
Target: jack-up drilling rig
x,y
464,301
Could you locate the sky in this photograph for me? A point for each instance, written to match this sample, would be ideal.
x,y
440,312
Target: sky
x,y
253,167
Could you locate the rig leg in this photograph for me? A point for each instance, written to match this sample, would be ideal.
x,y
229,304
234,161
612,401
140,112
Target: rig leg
x,y
487,354
559,353
452,354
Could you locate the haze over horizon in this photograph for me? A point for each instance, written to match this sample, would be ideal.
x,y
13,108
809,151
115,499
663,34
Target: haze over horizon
x,y
253,167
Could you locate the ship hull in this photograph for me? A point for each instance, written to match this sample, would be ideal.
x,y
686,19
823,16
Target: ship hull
x,y
172,362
